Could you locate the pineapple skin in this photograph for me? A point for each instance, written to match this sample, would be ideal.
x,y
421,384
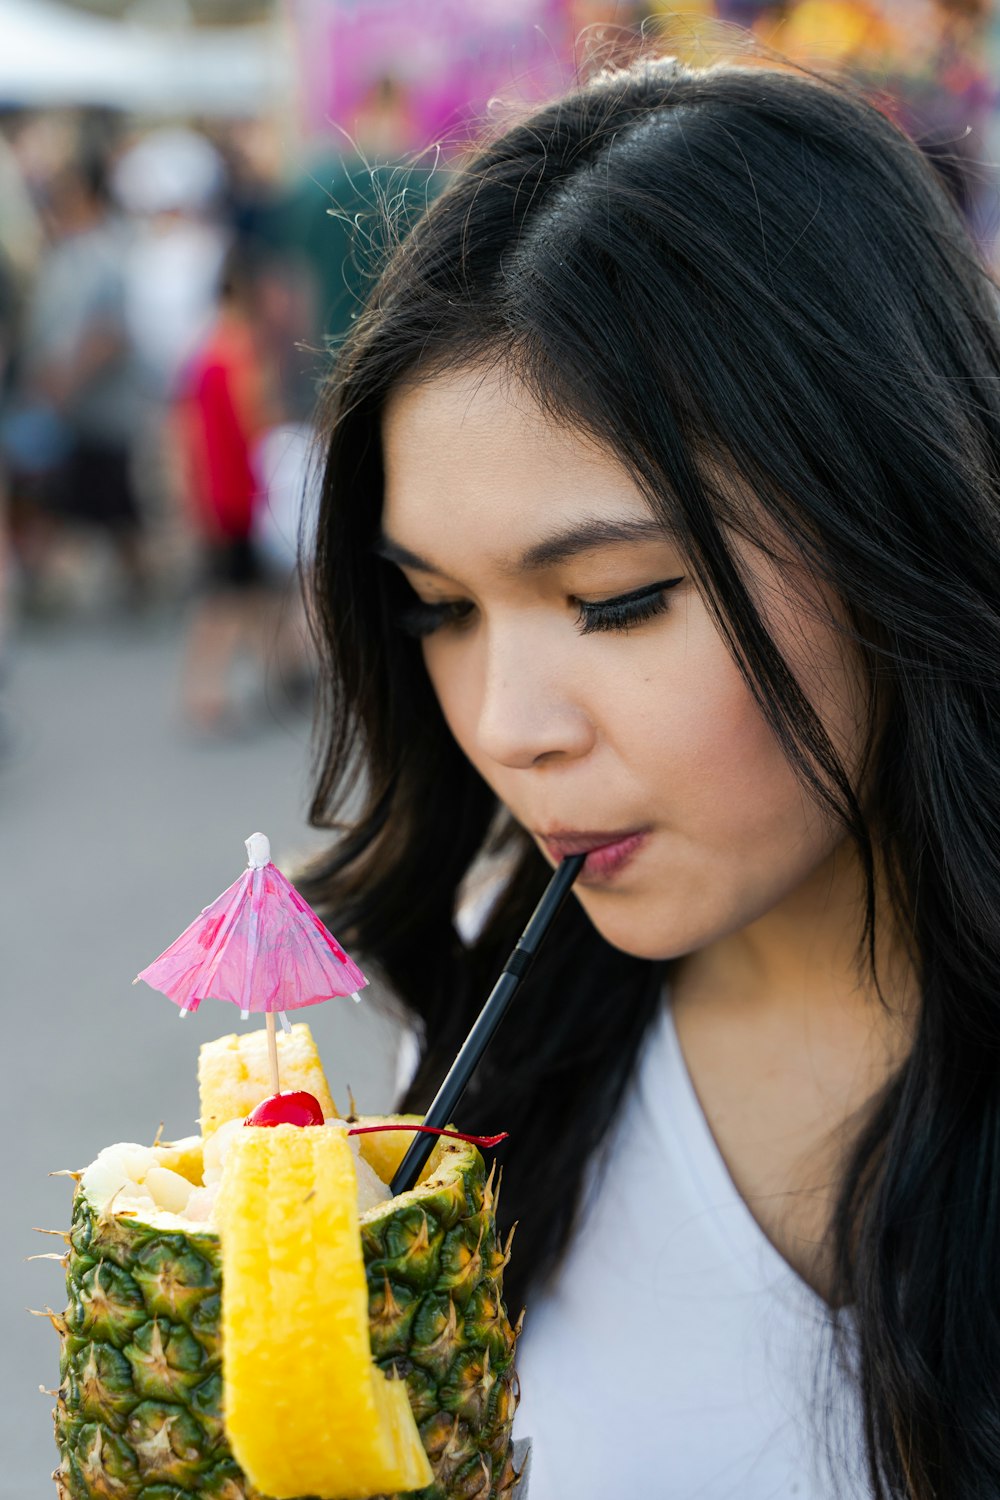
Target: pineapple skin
x,y
138,1413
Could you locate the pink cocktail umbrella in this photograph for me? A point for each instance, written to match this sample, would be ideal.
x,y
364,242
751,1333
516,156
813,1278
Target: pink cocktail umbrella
x,y
259,946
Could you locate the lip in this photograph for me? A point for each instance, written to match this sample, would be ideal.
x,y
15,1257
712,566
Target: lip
x,y
607,852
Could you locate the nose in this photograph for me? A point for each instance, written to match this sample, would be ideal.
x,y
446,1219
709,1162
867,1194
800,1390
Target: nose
x,y
529,710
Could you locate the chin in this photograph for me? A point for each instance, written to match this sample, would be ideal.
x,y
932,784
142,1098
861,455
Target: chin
x,y
657,940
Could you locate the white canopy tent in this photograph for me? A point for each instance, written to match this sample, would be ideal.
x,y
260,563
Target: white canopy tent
x,y
53,55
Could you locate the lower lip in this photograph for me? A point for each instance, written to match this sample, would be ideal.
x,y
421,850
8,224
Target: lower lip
x,y
606,861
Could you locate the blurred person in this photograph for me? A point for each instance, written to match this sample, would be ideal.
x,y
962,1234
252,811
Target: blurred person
x,y
20,243
21,233
78,384
287,464
7,318
335,208
256,208
171,183
254,187
9,310
224,405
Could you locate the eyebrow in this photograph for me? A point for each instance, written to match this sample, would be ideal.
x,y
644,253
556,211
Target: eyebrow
x,y
585,536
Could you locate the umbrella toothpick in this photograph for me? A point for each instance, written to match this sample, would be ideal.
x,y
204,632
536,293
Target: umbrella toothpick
x,y
259,946
272,1051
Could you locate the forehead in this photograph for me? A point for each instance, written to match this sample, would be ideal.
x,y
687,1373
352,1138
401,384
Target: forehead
x,y
470,454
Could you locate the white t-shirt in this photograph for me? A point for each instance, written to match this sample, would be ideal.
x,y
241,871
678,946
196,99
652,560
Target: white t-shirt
x,y
678,1355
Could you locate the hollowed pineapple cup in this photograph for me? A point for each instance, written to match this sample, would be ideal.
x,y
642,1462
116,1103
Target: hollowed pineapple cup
x,y
140,1411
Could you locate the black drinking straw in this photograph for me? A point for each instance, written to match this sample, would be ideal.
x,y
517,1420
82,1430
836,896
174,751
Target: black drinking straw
x,y
492,1013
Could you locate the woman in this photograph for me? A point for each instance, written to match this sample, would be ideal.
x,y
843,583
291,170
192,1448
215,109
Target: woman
x,y
661,513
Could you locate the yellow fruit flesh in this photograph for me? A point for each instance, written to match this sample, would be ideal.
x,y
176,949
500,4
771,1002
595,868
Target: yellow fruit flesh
x,y
306,1410
183,1157
234,1074
384,1150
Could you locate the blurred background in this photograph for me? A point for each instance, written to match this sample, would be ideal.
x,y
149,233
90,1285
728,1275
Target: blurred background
x,y
188,196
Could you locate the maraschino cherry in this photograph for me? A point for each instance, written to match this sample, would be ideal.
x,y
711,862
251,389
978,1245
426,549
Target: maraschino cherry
x,y
293,1108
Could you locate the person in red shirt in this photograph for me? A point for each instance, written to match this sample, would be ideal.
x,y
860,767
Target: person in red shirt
x,y
223,409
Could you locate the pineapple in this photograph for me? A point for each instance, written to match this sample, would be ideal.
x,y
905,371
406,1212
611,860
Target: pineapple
x,y
140,1413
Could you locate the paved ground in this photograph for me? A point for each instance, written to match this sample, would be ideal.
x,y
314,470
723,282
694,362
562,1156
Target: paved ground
x,y
116,830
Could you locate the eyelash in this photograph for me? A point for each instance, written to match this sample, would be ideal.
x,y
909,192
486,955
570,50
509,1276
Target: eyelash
x,y
621,614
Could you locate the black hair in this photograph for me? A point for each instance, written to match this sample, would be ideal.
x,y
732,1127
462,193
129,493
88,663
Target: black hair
x,y
748,267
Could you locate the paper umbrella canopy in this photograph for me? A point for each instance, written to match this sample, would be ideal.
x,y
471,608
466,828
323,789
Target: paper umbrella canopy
x,y
258,945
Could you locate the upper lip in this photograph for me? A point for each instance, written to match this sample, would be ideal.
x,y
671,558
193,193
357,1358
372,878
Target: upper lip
x,y
563,841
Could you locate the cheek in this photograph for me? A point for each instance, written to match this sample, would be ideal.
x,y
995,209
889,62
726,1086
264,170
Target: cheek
x,y
455,679
727,774
737,832
717,768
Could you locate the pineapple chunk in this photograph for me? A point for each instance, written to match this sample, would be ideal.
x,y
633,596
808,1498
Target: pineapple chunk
x,y
234,1074
307,1411
183,1156
216,1148
169,1189
371,1189
117,1176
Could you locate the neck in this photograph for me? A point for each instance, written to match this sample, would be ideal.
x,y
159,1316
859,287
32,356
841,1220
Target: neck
x,y
789,1044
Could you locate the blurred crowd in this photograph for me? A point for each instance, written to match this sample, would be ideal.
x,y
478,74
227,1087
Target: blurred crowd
x,y
165,308
170,292
149,407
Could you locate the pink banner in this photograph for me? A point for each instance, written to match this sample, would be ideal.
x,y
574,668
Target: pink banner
x,y
433,64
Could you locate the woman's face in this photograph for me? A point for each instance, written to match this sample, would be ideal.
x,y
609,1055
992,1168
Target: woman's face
x,y
581,672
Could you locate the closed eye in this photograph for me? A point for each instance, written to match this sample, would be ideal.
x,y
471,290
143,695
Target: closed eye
x,y
622,613
418,619
627,610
